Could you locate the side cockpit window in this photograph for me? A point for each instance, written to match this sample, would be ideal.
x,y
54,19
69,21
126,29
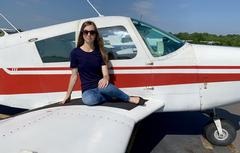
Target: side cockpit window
x,y
56,49
118,43
158,42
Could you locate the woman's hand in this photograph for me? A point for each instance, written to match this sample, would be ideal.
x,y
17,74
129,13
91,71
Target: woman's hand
x,y
66,100
103,83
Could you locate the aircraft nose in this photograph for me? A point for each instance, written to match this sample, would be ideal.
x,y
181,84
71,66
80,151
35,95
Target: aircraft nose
x,y
219,75
217,55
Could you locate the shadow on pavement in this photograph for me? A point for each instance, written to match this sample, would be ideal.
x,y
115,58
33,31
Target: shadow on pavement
x,y
150,131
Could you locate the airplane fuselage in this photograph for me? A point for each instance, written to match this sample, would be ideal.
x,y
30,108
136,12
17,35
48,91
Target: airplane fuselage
x,y
35,66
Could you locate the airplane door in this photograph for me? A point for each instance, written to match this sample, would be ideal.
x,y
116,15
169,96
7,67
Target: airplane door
x,y
174,76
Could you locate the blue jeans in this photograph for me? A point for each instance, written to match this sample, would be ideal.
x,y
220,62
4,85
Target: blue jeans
x,y
99,95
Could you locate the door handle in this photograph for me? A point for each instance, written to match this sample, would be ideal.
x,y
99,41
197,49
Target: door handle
x,y
33,40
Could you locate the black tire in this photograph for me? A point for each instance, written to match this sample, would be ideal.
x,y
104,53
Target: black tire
x,y
211,133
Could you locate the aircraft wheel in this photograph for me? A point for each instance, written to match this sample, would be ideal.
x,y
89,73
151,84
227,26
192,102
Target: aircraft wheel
x,y
212,135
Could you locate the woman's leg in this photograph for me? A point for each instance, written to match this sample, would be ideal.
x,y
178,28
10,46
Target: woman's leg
x,y
114,92
92,97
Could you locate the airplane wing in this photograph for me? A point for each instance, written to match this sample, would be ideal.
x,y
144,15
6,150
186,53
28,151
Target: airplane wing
x,y
73,129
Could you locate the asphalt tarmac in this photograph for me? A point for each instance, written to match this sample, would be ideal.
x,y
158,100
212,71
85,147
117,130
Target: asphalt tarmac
x,y
181,132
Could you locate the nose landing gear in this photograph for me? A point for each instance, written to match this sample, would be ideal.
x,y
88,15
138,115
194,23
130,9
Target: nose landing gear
x,y
219,132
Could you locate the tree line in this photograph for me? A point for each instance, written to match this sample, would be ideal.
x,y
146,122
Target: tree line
x,y
212,39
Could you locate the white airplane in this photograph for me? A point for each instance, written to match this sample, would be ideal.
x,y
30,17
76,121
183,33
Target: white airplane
x,y
173,75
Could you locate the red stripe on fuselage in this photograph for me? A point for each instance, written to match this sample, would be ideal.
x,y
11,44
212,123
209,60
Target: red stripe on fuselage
x,y
35,83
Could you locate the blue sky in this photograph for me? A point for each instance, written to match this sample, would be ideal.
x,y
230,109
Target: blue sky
x,y
212,16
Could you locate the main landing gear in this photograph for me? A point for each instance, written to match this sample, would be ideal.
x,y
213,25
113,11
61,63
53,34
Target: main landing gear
x,y
219,132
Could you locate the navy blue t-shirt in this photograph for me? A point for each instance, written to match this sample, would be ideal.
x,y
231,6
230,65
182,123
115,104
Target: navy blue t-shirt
x,y
89,66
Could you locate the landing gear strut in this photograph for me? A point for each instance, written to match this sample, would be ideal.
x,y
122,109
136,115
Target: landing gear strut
x,y
219,132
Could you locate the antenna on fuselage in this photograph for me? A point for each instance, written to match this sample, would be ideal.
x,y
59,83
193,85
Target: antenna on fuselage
x,y
9,22
94,8
141,17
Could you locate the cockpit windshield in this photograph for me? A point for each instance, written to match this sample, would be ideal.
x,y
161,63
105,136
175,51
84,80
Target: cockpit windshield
x,y
160,43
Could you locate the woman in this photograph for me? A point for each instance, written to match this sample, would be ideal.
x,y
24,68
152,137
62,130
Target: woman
x,y
89,59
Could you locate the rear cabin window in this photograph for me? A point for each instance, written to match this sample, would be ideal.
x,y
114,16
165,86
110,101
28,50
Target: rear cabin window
x,y
118,43
56,49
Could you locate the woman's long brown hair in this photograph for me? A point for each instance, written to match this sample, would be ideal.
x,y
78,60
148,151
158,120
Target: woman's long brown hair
x,y
98,42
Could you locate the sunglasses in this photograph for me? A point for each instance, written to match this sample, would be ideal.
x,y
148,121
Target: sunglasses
x,y
92,32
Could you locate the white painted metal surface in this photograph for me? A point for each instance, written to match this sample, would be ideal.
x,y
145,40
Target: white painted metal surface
x,y
73,129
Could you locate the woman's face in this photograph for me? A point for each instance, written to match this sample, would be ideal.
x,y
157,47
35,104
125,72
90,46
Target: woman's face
x,y
89,34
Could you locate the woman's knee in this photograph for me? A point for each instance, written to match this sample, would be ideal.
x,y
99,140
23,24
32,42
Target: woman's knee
x,y
90,98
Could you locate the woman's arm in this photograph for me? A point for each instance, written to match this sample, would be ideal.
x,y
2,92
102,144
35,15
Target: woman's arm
x,y
104,81
71,84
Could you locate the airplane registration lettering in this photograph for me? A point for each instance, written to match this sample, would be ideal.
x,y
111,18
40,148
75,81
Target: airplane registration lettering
x,y
13,69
